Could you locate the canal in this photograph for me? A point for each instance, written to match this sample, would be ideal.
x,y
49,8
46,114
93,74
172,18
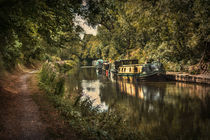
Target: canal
x,y
161,108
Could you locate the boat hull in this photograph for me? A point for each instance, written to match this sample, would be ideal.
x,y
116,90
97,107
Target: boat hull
x,y
142,77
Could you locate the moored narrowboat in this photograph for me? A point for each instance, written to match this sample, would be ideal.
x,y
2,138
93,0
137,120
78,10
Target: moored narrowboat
x,y
153,71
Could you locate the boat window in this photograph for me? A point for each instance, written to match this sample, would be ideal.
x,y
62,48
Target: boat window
x,y
135,69
150,68
129,69
143,69
124,69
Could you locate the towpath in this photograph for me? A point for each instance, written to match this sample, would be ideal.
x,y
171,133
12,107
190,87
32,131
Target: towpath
x,y
20,116
19,113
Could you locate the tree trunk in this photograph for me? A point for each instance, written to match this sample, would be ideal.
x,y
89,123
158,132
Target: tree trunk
x,y
205,59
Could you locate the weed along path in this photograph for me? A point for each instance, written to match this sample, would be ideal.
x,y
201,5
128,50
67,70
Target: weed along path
x,y
20,117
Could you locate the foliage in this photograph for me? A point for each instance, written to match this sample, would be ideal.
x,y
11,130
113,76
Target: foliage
x,y
50,80
31,29
12,51
177,32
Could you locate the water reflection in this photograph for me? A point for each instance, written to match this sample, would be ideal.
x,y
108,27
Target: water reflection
x,y
141,91
91,88
155,107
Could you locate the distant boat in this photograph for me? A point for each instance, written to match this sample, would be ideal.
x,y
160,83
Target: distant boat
x,y
147,71
99,63
106,66
94,63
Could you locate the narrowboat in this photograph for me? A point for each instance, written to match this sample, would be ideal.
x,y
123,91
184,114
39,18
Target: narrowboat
x,y
149,71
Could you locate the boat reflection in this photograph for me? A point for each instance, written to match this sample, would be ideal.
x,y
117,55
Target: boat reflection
x,y
157,91
142,91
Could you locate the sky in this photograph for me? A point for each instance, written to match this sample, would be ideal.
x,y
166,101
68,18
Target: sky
x,y
82,23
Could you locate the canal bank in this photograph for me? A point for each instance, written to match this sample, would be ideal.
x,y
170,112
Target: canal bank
x,y
185,77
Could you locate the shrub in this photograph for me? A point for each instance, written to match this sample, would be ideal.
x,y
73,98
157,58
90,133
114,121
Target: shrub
x,y
51,80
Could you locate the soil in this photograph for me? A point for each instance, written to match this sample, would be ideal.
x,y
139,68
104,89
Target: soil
x,y
25,113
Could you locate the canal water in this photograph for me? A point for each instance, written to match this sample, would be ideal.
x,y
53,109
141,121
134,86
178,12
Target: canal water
x,y
168,108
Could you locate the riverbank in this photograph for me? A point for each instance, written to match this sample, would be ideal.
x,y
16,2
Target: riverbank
x,y
26,113
185,77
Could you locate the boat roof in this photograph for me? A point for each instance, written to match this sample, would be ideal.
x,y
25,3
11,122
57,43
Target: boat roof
x,y
131,65
128,60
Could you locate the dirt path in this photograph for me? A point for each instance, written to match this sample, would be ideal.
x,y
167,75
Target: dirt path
x,y
26,113
20,118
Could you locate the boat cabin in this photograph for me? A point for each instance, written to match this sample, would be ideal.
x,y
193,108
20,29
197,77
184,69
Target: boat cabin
x,y
115,66
130,69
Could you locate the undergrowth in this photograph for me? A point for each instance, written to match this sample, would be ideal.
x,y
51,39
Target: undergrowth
x,y
50,79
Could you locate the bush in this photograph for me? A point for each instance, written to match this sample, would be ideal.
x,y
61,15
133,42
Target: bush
x,y
12,51
90,123
51,80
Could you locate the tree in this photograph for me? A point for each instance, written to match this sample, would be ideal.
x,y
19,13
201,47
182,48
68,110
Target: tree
x,y
176,32
40,26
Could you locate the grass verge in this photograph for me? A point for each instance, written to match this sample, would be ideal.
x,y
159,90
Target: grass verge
x,y
56,127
